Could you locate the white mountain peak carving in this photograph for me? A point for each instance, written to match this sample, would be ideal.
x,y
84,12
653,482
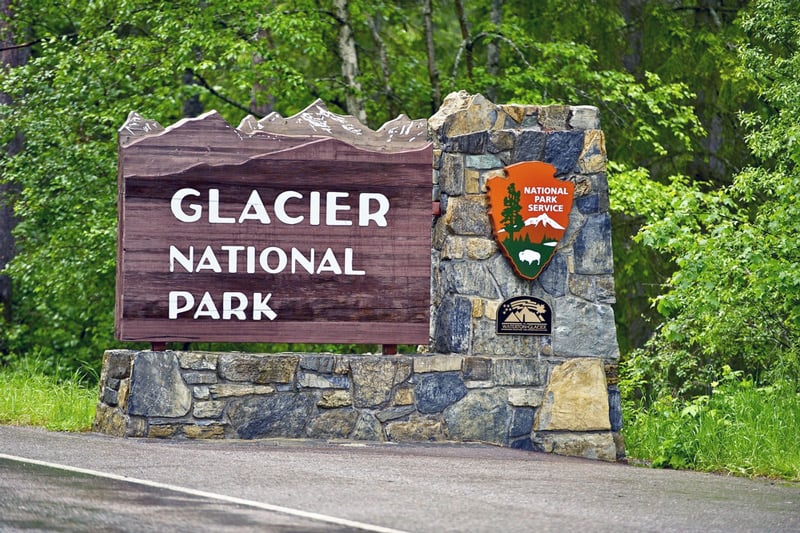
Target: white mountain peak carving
x,y
544,220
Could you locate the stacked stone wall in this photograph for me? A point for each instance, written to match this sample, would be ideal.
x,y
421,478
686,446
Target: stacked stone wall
x,y
402,398
555,393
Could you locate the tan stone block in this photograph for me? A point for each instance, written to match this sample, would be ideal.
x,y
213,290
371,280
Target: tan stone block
x,y
109,421
525,397
593,157
576,398
491,309
554,117
161,431
472,178
404,396
519,112
477,307
212,431
453,248
124,393
224,390
599,446
416,429
437,363
211,409
198,360
471,113
479,248
336,398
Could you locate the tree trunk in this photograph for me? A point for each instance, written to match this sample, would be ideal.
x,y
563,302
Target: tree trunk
x,y
493,50
354,100
433,72
465,36
391,104
633,11
10,57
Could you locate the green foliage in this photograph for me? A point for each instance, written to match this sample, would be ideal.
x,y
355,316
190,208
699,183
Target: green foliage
x,y
91,64
736,427
31,396
512,211
734,298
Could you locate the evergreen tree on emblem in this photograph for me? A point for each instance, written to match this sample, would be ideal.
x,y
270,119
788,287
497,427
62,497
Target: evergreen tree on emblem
x,y
512,217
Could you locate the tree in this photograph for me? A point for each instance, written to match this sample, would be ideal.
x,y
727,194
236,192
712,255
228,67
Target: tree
x,y
11,55
512,212
735,296
92,64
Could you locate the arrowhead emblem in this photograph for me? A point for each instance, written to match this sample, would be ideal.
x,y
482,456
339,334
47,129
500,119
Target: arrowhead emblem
x,y
529,210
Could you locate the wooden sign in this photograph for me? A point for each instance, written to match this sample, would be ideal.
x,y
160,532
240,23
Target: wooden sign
x,y
251,235
529,210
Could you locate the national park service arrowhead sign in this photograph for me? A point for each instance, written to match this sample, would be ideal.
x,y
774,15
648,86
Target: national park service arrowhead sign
x,y
529,210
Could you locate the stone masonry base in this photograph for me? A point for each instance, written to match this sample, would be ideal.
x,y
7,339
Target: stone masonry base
x,y
566,407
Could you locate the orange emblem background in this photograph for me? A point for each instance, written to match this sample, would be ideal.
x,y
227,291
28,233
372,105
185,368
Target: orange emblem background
x,y
529,210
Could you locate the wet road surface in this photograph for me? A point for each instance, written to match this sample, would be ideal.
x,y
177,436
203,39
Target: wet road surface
x,y
40,498
435,488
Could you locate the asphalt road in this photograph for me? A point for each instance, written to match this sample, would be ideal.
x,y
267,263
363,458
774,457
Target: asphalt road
x,y
289,486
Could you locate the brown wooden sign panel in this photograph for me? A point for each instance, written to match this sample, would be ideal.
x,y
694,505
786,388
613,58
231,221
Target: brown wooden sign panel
x,y
251,236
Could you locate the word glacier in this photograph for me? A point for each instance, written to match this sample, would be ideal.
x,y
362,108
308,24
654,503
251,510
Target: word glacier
x,y
335,211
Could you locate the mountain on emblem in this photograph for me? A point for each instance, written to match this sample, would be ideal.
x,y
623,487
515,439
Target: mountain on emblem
x,y
545,221
529,210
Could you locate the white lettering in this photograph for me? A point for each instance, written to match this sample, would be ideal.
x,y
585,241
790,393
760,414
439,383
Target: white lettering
x,y
228,310
263,260
306,262
206,308
234,306
364,214
331,208
213,209
348,264
176,207
260,307
328,263
280,207
208,261
314,213
254,204
184,261
233,257
175,307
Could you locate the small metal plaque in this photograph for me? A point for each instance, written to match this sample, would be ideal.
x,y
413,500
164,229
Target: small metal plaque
x,y
524,315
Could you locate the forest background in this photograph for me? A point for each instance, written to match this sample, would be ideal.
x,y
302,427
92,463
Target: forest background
x,y
699,99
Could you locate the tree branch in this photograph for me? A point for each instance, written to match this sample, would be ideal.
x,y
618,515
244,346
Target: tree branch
x,y
202,81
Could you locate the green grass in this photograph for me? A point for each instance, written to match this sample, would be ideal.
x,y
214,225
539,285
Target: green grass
x,y
29,397
739,429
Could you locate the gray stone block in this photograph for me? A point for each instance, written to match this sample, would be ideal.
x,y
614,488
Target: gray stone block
x,y
453,325
584,329
280,415
562,150
157,388
434,392
530,146
592,246
482,415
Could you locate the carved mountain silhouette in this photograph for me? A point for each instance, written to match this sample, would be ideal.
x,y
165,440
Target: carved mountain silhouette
x,y
545,221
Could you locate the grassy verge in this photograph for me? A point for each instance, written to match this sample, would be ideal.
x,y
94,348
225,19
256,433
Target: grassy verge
x,y
739,429
29,397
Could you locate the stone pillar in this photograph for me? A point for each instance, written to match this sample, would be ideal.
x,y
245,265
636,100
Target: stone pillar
x,y
474,139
